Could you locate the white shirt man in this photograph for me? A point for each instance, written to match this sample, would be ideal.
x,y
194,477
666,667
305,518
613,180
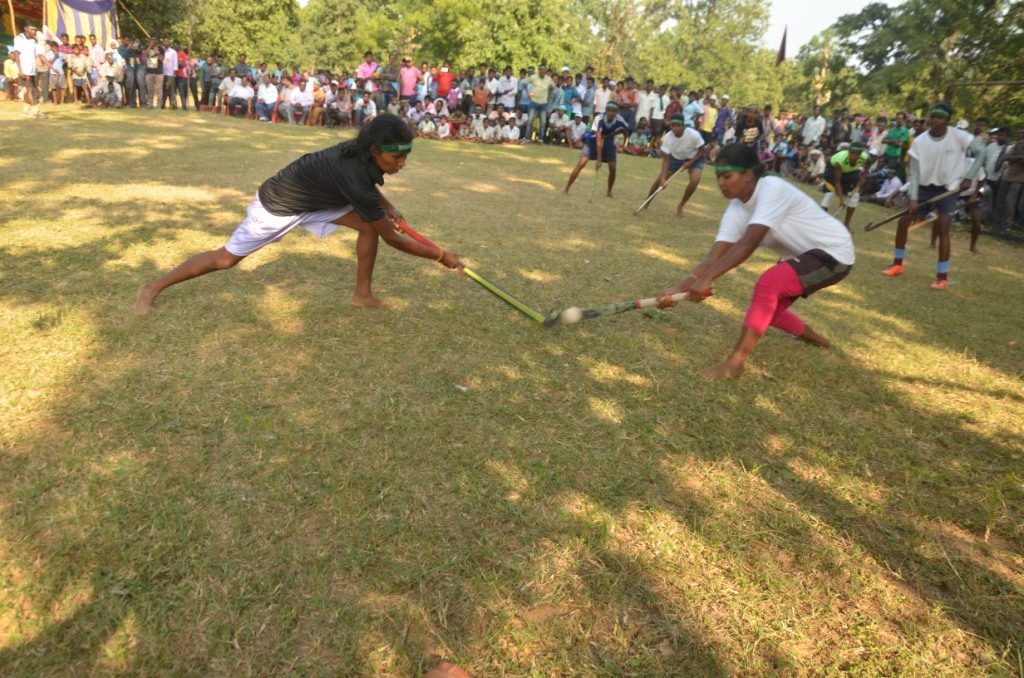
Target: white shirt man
x,y
575,130
477,124
601,99
367,106
444,130
267,93
684,146
493,86
510,133
170,62
491,133
557,120
507,90
98,55
28,49
242,91
993,155
814,127
227,84
645,103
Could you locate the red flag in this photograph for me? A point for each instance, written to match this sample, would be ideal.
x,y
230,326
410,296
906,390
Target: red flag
x,y
781,56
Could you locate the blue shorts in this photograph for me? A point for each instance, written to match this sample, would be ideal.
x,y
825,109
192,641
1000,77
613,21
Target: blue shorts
x,y
674,164
945,207
607,153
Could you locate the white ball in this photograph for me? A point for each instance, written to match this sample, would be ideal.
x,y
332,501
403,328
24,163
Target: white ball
x,y
572,315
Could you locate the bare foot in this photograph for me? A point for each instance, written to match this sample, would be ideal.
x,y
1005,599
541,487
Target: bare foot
x,y
812,337
609,194
144,301
723,370
974,249
369,301
446,670
679,210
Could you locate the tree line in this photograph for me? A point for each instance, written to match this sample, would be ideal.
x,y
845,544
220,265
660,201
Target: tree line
x,y
894,58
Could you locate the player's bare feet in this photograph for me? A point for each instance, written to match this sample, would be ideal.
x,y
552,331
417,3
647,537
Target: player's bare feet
x,y
144,301
679,210
723,370
369,301
812,337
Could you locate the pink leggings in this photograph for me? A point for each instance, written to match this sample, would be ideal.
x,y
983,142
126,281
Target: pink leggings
x,y
774,293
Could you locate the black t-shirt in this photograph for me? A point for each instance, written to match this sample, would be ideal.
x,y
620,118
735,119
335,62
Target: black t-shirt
x,y
325,181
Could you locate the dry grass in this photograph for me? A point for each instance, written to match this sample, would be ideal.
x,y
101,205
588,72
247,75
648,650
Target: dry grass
x,y
259,478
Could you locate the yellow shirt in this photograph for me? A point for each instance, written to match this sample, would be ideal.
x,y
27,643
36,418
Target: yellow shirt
x,y
10,69
710,116
541,88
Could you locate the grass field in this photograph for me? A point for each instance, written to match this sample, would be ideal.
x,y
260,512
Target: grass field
x,y
258,478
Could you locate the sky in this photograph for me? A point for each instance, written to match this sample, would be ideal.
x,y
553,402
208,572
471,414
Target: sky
x,y
807,19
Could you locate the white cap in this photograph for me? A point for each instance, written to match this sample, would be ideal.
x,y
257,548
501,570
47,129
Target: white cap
x,y
725,96
565,69
962,124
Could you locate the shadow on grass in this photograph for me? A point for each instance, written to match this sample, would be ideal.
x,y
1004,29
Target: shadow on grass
x,y
258,479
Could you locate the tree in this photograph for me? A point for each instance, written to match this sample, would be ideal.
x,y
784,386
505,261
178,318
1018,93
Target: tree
x,y
265,30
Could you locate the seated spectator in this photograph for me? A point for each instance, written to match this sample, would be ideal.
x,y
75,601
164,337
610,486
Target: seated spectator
x,y
224,92
316,111
427,128
889,190
105,95
11,75
366,109
509,132
266,98
477,122
444,130
346,107
557,122
575,130
240,98
459,123
490,134
638,142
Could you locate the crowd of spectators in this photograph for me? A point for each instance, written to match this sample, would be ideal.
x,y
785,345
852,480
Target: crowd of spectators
x,y
489,105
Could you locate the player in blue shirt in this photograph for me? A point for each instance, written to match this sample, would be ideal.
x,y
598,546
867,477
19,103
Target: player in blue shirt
x,y
604,138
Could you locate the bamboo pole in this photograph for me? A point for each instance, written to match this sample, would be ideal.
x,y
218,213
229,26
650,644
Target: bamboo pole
x,y
141,27
14,27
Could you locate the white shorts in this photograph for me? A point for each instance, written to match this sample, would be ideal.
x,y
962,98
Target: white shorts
x,y
852,199
260,227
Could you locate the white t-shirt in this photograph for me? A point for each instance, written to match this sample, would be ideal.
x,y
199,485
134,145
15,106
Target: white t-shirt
x,y
241,92
444,130
796,224
814,127
510,133
508,85
942,162
682,147
268,94
28,50
576,130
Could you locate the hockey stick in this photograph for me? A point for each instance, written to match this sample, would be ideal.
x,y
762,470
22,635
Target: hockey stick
x,y
651,197
928,203
574,314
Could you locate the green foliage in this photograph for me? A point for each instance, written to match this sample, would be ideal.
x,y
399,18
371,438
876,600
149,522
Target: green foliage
x,y
265,30
913,54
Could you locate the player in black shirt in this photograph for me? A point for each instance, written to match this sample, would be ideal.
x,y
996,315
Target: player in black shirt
x,y
320,191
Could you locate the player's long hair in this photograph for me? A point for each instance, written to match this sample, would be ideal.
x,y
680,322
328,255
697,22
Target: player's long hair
x,y
386,128
740,155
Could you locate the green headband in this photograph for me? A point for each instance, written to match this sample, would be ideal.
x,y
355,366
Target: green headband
x,y
677,120
940,112
400,149
611,106
722,169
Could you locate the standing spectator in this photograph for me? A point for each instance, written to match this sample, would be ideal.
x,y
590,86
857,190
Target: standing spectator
x,y
587,99
192,73
628,99
408,77
1012,185
154,73
725,116
445,76
602,96
710,119
522,88
367,68
181,76
507,89
170,66
693,110
47,54
813,129
896,141
995,153
538,90
58,81
215,71
78,66
646,100
242,68
97,55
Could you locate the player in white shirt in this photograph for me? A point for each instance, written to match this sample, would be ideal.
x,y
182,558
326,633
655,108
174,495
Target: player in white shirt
x,y
683,148
815,249
937,166
28,50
